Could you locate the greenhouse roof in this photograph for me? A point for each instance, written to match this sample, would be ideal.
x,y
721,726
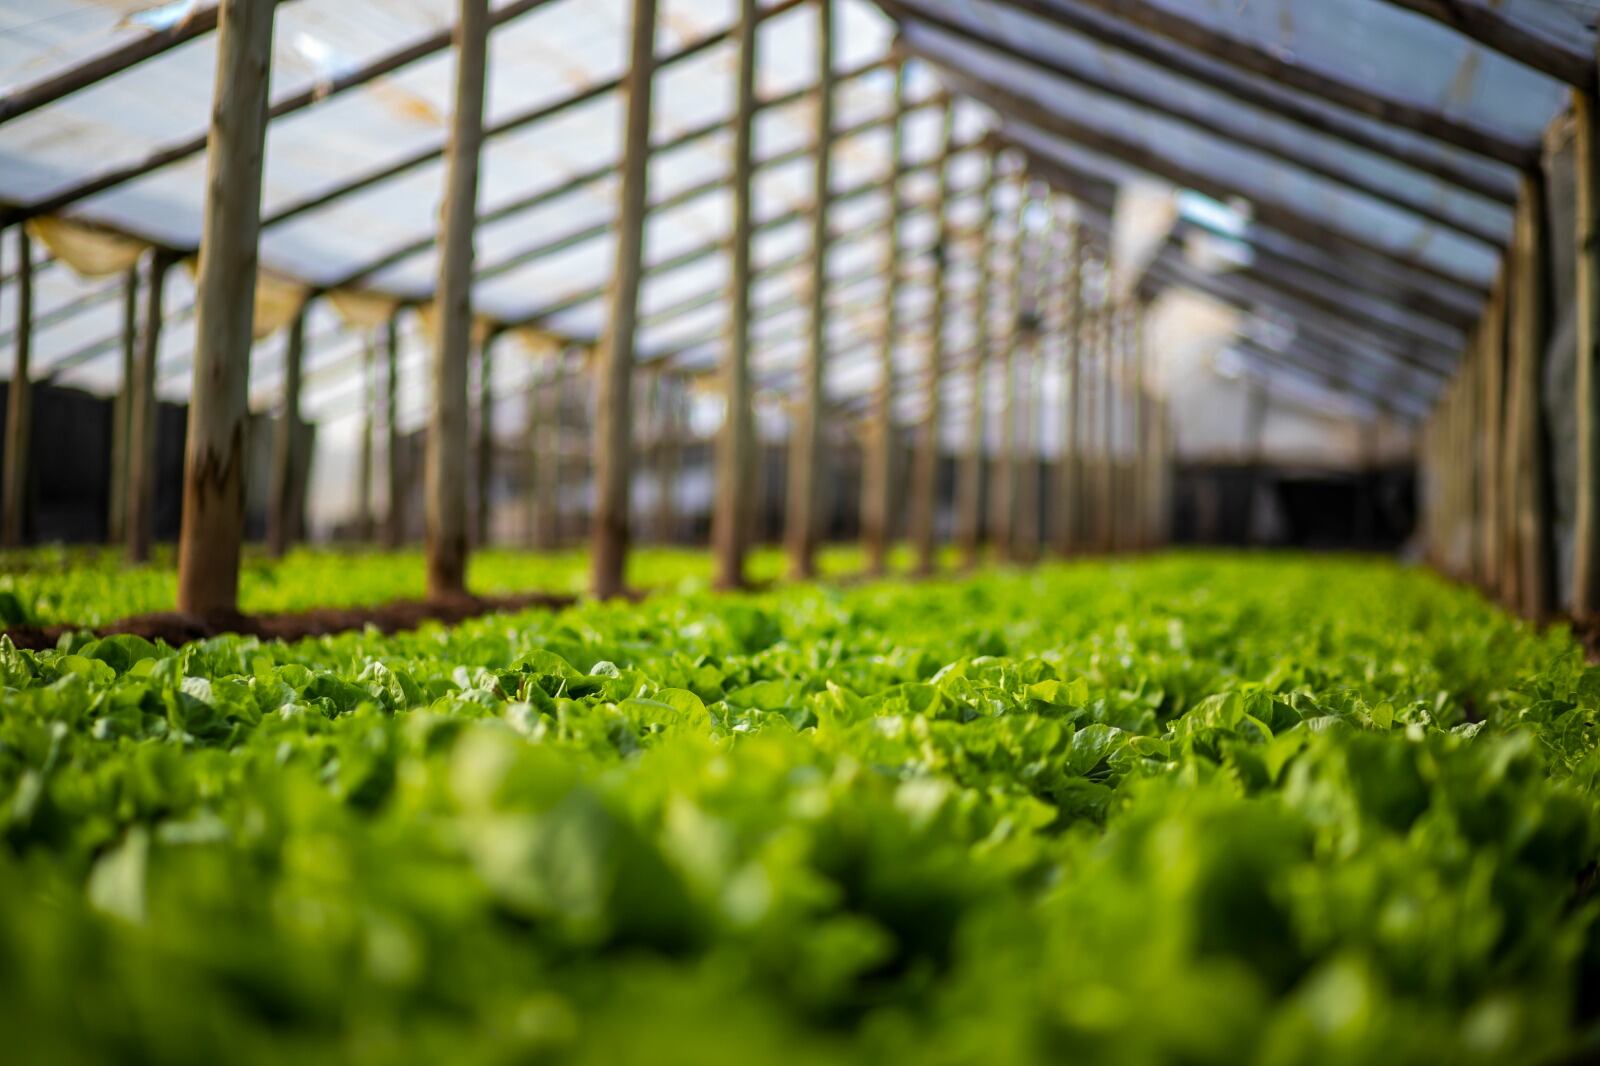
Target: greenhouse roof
x,y
1373,151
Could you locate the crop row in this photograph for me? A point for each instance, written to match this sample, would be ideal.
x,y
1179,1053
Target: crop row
x,y
1185,809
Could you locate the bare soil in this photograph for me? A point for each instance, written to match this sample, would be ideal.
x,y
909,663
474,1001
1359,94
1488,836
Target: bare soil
x,y
176,629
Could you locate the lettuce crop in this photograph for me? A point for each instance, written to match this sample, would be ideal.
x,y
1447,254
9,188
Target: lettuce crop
x,y
1188,809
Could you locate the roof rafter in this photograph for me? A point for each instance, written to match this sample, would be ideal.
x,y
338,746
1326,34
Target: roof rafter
x,y
107,64
1256,60
588,177
1500,33
1274,213
1332,121
519,121
1494,237
173,153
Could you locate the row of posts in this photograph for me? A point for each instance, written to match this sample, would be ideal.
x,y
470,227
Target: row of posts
x,y
1099,501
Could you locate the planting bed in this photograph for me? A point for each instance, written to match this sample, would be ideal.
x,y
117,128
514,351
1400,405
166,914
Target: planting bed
x,y
1187,809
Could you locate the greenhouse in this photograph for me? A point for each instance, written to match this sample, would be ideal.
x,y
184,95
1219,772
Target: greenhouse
x,y
800,531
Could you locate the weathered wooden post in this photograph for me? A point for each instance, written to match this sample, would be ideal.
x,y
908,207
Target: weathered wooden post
x,y
1092,371
1110,340
736,443
121,416
1005,489
280,510
369,427
139,514
667,462
530,460
877,509
609,533
19,405
214,458
483,474
547,478
1025,451
1472,404
1586,523
1487,338
1528,294
925,474
805,448
445,457
1134,538
969,486
1069,474
394,519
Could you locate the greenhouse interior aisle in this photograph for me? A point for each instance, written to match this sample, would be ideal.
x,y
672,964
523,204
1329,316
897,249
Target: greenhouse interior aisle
x,y
958,531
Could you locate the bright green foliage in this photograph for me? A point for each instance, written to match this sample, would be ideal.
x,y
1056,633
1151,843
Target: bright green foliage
x,y
91,586
1189,809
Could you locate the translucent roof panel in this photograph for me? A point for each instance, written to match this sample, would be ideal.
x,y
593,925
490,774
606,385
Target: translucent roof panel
x,y
548,176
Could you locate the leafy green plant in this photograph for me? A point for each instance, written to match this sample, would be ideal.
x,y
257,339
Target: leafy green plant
x,y
1185,809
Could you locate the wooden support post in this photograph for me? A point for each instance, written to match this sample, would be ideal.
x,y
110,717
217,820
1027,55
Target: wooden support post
x,y
214,458
1005,495
369,428
117,502
925,475
969,487
280,511
877,509
445,458
547,479
483,475
1502,520
1138,474
1104,494
661,458
1586,388
1091,369
394,519
736,443
1255,424
1528,295
1025,454
532,424
19,406
1490,354
805,447
1068,515
139,514
609,535
582,464
1472,486
1041,297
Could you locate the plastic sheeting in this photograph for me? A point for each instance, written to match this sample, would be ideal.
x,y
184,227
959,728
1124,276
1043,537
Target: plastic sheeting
x,y
567,163
562,48
1377,46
